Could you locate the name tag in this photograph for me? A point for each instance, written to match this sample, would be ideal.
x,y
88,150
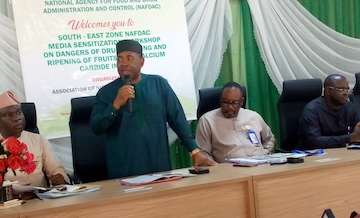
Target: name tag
x,y
253,137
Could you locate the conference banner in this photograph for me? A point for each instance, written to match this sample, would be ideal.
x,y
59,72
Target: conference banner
x,y
67,50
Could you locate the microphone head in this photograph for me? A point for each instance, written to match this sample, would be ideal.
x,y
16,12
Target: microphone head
x,y
127,79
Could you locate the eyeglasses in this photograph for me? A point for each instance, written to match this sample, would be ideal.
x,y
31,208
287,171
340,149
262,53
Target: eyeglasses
x,y
341,90
233,103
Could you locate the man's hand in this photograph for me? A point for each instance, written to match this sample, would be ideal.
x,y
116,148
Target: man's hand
x,y
201,159
355,135
57,179
123,94
25,195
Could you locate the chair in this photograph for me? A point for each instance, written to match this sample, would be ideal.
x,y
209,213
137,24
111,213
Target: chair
x,y
29,111
88,149
355,95
294,97
209,99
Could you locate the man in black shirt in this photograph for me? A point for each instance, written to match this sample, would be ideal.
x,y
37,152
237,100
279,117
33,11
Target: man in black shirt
x,y
330,121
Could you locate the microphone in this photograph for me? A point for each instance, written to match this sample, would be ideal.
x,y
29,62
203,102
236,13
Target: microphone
x,y
129,101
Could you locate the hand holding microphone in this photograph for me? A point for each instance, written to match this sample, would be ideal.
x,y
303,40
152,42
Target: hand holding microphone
x,y
129,101
125,94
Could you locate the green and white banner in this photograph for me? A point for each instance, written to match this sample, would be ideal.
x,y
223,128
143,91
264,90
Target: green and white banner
x,y
67,50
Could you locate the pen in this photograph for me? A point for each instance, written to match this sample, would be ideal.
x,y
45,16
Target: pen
x,y
63,188
125,184
137,189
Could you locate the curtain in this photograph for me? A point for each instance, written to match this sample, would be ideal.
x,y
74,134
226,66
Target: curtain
x,y
209,23
342,16
243,64
10,77
295,44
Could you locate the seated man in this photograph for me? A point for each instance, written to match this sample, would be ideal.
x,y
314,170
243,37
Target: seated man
x,y
12,123
330,121
232,131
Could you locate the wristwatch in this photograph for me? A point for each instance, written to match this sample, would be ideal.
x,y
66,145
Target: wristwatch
x,y
195,151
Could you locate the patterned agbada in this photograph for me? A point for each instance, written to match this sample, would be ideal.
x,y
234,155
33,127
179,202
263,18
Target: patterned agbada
x,y
137,142
223,138
44,157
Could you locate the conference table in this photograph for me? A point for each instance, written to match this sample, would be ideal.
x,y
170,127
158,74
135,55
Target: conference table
x,y
289,190
229,194
306,189
9,213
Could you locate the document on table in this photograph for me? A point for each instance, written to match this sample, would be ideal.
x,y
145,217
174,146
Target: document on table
x,y
353,146
68,190
327,159
249,160
154,178
277,155
11,203
142,179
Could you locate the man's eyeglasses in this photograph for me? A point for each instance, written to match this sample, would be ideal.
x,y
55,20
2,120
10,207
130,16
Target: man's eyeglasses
x,y
233,103
341,90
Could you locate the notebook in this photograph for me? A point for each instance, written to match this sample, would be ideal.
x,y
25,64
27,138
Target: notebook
x,y
151,179
69,191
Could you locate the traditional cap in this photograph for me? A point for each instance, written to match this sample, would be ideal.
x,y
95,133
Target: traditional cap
x,y
128,45
7,99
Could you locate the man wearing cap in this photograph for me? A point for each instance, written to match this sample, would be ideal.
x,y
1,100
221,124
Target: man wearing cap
x,y
12,123
137,140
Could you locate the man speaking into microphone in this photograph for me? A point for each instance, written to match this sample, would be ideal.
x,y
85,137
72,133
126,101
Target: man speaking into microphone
x,y
133,111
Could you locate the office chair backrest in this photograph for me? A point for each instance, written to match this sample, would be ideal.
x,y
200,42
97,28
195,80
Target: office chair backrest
x,y
294,97
29,111
355,95
88,149
356,89
209,99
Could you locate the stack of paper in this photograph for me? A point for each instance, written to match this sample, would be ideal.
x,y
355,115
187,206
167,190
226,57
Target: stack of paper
x,y
353,146
277,155
67,190
150,179
11,203
249,160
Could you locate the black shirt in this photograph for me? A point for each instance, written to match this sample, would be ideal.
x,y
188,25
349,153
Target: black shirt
x,y
324,127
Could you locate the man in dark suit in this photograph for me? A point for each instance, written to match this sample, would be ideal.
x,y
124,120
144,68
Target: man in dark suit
x,y
330,121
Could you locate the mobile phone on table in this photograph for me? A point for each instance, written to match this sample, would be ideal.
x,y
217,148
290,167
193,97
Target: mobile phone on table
x,y
245,165
199,170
